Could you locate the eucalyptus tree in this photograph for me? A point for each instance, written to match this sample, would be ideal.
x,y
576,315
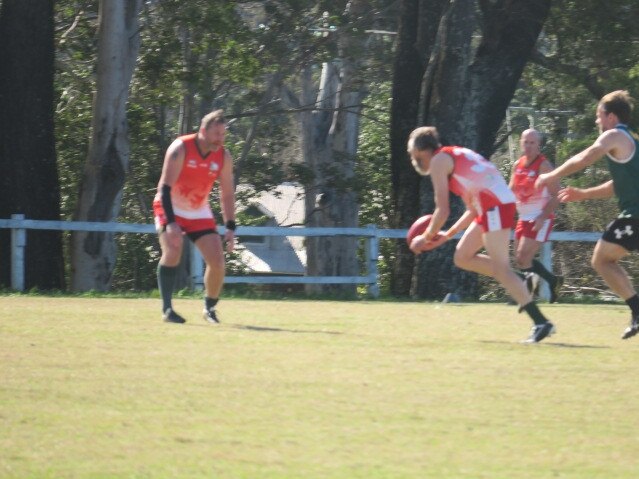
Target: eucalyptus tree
x,y
330,142
196,56
93,254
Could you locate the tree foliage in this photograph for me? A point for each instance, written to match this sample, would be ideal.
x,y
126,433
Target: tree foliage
x,y
247,57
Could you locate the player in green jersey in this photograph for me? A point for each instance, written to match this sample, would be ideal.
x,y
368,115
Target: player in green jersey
x,y
621,149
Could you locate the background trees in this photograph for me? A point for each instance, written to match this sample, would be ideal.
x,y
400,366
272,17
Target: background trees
x,y
93,254
474,55
29,180
386,67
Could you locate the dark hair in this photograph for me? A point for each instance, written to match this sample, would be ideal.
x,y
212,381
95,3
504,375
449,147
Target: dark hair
x,y
618,102
424,138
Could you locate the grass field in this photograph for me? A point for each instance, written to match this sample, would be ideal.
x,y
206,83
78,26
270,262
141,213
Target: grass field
x,y
101,388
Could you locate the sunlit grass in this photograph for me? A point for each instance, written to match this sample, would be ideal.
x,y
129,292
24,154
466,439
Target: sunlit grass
x,y
101,388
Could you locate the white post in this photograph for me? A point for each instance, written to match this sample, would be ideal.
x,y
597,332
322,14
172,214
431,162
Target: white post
x,y
18,244
545,258
197,269
372,255
511,143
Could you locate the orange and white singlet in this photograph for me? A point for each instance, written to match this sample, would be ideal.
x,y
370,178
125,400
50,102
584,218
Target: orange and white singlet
x,y
476,180
190,193
530,200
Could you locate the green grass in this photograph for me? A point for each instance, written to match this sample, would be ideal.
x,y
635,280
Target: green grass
x,y
101,388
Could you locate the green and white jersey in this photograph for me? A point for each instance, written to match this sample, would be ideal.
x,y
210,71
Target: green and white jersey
x,y
625,178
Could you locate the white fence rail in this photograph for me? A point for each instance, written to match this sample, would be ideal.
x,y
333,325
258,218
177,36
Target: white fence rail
x,y
371,234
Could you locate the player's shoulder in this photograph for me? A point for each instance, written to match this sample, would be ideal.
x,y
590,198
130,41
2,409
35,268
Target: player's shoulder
x,y
443,157
612,138
546,164
176,147
519,162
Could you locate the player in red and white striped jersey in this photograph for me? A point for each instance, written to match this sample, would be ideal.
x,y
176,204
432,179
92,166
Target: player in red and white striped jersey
x,y
488,220
535,208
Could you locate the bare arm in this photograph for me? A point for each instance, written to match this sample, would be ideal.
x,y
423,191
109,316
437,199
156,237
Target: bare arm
x,y
606,143
511,182
227,198
441,166
604,190
553,188
227,189
461,224
579,162
173,160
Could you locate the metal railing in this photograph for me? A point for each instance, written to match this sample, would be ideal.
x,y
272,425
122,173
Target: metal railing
x,y
371,234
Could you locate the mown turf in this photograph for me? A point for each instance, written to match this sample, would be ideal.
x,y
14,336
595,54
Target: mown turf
x,y
101,388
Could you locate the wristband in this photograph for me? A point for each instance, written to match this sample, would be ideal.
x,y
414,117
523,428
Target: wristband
x,y
230,225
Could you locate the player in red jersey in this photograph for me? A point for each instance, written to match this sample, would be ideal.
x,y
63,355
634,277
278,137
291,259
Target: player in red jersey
x,y
192,164
488,220
535,208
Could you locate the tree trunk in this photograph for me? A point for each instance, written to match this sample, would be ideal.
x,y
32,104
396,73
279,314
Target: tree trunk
x,y
330,148
328,144
94,254
443,105
416,38
29,183
465,93
185,126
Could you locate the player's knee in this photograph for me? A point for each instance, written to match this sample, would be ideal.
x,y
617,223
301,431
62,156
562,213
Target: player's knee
x,y
597,263
171,256
216,263
460,260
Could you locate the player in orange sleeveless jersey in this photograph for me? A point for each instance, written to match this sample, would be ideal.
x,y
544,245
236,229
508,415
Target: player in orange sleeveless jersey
x,y
488,220
535,208
192,164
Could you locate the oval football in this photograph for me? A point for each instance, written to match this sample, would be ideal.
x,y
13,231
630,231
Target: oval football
x,y
418,227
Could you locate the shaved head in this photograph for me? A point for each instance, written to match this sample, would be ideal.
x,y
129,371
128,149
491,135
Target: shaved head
x,y
531,143
532,133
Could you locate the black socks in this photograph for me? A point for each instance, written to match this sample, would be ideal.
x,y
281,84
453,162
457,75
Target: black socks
x,y
166,283
541,270
210,303
533,311
633,304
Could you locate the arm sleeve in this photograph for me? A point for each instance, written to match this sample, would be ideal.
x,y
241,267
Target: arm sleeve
x,y
165,197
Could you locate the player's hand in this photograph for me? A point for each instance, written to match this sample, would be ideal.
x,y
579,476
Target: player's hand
x,y
439,239
539,222
420,244
543,180
229,238
173,234
570,194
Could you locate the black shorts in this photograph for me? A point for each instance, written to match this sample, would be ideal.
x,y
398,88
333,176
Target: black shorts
x,y
624,232
194,235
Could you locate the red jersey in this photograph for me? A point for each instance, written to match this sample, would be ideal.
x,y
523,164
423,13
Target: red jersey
x,y
530,200
189,194
476,180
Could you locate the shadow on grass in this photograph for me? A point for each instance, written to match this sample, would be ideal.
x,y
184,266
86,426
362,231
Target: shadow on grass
x,y
556,345
279,330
